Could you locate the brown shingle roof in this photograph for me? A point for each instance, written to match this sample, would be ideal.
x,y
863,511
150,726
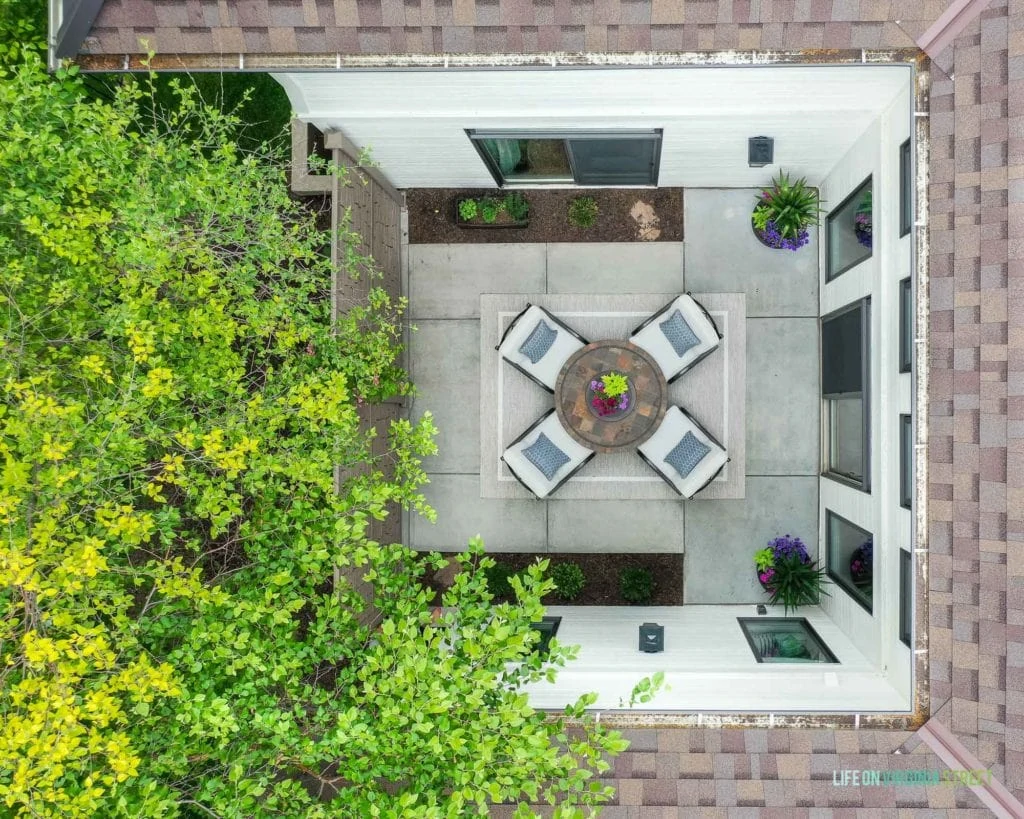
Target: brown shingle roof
x,y
975,537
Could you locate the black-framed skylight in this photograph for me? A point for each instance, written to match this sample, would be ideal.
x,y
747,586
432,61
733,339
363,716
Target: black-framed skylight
x,y
784,640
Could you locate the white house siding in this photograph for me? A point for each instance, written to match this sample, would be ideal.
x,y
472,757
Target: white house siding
x,y
414,121
875,153
708,665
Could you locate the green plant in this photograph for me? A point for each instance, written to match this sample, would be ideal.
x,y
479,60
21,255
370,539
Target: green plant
x,y
583,212
499,577
787,208
764,559
637,585
792,646
615,384
467,209
517,206
796,582
569,580
490,208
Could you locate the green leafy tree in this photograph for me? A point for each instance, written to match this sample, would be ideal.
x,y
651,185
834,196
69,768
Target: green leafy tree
x,y
173,640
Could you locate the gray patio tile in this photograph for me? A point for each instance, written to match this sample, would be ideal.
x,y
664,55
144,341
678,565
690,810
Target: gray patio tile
x,y
636,526
505,525
722,535
723,256
783,397
445,281
615,267
445,364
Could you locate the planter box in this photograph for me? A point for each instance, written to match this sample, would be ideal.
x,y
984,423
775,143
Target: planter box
x,y
503,220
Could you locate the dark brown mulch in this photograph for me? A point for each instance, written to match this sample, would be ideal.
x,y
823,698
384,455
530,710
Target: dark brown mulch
x,y
603,576
432,216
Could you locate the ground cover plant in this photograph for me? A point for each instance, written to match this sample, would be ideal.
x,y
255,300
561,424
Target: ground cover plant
x,y
183,630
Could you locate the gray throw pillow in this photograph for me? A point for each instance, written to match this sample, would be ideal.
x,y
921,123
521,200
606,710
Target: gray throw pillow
x,y
687,454
547,457
678,333
538,342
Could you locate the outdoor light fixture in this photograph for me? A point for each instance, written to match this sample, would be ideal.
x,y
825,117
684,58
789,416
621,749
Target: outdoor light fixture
x,y
652,638
761,609
760,151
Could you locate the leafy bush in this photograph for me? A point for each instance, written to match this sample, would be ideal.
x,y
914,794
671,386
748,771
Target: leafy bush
x,y
517,206
489,209
583,212
569,580
467,209
637,586
498,577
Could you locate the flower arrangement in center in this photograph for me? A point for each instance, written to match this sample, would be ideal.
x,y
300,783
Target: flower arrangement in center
x,y
788,574
610,394
784,212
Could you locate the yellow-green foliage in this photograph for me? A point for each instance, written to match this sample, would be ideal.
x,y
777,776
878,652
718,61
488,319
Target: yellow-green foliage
x,y
615,384
174,402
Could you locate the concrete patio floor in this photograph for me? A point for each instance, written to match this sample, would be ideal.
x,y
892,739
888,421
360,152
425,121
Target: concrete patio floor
x,y
719,254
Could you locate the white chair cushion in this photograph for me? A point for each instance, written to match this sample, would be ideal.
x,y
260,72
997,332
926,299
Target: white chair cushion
x,y
653,339
673,429
550,365
528,472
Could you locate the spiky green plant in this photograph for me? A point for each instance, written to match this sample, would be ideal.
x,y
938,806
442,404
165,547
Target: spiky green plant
x,y
583,212
615,384
796,583
790,206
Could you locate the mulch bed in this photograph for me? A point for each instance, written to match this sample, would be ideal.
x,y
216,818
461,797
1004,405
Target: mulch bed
x,y
603,573
432,216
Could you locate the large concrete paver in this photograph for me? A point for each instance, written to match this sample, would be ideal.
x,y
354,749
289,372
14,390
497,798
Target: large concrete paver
x,y
505,525
783,397
445,281
447,390
722,535
724,256
615,267
637,526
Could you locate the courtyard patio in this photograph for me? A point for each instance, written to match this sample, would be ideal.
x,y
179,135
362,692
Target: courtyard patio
x,y
759,394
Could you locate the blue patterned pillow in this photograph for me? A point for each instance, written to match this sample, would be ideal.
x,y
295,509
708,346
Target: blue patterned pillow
x,y
547,457
678,333
687,454
538,342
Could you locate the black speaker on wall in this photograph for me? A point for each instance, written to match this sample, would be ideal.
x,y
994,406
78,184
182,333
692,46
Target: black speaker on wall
x,y
760,151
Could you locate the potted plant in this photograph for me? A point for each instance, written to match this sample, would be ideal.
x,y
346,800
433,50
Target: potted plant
x,y
610,394
785,570
509,211
783,213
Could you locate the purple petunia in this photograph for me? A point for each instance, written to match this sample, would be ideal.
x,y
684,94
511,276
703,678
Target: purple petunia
x,y
786,546
773,238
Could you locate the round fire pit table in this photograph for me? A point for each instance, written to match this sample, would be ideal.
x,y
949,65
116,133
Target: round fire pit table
x,y
648,396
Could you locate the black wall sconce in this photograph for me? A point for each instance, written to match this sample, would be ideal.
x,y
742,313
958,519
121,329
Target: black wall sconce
x,y
760,151
652,638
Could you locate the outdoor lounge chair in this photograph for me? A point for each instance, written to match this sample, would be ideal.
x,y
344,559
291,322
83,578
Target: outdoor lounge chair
x,y
678,336
538,344
686,455
544,457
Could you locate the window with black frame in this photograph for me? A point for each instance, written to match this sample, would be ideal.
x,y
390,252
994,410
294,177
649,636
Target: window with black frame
x,y
582,158
906,597
851,558
906,326
850,231
845,358
906,188
906,460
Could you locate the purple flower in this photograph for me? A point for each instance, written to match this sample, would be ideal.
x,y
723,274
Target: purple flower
x,y
773,238
787,546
